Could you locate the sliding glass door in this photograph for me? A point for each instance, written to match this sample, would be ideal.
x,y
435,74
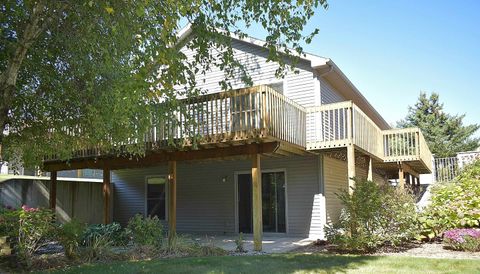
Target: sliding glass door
x,y
273,202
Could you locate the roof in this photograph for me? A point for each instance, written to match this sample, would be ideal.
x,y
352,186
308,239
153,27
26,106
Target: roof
x,y
326,68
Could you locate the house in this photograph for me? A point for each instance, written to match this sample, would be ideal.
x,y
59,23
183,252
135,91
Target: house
x,y
271,158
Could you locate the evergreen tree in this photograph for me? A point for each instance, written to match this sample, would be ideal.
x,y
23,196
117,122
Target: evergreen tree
x,y
445,134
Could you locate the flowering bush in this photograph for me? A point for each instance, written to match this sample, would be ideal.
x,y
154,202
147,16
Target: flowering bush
x,y
455,204
467,239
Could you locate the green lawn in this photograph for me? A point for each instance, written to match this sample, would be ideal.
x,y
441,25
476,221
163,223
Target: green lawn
x,y
287,263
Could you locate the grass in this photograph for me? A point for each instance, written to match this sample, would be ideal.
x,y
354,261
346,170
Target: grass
x,y
286,263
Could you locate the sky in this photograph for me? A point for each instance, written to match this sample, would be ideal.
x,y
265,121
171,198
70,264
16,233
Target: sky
x,y
393,50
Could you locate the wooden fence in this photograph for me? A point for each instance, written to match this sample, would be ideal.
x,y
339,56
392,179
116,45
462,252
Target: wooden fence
x,y
81,200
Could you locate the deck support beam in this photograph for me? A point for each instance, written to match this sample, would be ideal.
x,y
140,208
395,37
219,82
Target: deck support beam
x,y
172,202
106,195
401,176
351,167
257,203
53,191
370,169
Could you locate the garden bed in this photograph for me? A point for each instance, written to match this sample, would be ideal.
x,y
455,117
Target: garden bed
x,y
423,250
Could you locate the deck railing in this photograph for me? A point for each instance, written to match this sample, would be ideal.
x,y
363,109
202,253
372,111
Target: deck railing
x,y
256,112
366,134
446,169
329,126
238,115
406,144
342,124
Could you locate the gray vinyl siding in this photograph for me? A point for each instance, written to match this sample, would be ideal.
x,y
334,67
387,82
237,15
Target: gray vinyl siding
x,y
328,94
205,204
298,87
378,178
336,179
361,172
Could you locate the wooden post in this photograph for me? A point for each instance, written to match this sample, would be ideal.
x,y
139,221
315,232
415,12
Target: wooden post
x,y
172,201
53,191
413,182
418,184
257,203
351,167
370,169
106,196
401,177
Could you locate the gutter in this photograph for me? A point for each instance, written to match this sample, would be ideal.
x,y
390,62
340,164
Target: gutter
x,y
356,92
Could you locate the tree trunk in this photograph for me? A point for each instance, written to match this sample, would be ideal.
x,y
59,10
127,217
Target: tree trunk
x,y
8,78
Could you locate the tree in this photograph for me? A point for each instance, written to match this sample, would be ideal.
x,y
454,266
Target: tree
x,y
87,73
445,134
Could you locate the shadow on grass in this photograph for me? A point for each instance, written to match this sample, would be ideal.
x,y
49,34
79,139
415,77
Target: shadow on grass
x,y
278,263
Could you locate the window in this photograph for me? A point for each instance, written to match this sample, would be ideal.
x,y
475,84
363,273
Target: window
x,y
156,196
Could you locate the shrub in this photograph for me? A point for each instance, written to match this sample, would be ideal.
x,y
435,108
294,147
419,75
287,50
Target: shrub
x,y
99,237
111,234
454,205
462,239
9,222
146,231
373,215
70,236
239,243
34,225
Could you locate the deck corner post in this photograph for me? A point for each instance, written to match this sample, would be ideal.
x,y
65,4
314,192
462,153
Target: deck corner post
x,y
257,203
172,202
351,167
370,169
401,176
53,191
106,195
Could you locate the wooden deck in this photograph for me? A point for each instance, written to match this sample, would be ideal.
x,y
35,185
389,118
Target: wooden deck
x,y
342,124
261,115
243,116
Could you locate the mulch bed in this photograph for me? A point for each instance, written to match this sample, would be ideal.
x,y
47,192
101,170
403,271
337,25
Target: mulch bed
x,y
424,250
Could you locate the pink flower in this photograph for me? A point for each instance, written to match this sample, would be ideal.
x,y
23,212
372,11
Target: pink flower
x,y
29,209
458,235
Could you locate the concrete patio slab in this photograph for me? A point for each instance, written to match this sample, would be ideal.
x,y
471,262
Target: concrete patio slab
x,y
271,244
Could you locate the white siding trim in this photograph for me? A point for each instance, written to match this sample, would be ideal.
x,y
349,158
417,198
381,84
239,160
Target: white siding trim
x,y
317,90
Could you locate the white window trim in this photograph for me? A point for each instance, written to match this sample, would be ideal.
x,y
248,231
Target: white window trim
x,y
167,198
235,188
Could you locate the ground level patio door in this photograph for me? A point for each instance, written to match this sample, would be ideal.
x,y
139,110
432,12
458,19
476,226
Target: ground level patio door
x,y
273,202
